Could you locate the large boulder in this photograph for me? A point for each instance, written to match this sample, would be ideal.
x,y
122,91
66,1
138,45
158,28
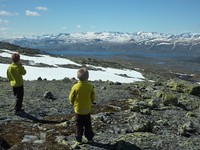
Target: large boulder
x,y
3,144
187,129
184,87
141,123
170,99
195,91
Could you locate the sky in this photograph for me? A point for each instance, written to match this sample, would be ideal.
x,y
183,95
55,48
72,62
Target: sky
x,y
25,18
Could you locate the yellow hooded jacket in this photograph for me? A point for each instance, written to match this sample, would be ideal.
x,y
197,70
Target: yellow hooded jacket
x,y
82,96
14,74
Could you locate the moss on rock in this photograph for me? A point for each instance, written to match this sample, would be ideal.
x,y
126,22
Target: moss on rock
x,y
170,99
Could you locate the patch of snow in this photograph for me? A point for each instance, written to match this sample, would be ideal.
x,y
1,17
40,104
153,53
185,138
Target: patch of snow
x,y
59,73
45,59
164,44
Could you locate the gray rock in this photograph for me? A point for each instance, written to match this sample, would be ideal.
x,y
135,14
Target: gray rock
x,y
103,88
135,92
117,83
195,91
39,79
111,83
39,141
141,123
153,103
29,138
187,129
59,139
67,80
170,99
48,95
3,144
135,108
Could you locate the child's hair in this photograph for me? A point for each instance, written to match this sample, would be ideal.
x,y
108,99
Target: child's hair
x,y
83,74
15,57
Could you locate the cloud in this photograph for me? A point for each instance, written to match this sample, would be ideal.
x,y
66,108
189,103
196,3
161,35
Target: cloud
x,y
6,13
92,26
32,13
64,28
41,8
4,29
3,21
78,26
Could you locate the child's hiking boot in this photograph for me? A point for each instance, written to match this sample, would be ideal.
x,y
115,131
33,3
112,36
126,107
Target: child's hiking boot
x,y
90,141
19,112
77,144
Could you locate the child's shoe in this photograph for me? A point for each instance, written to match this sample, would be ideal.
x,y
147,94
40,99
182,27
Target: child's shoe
x,y
90,141
77,145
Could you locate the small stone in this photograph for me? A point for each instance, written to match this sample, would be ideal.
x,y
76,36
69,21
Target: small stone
x,y
39,79
144,127
67,80
111,83
35,125
153,103
117,83
29,138
190,114
146,111
103,88
188,126
186,129
43,136
135,108
135,92
170,99
195,91
48,95
39,141
61,140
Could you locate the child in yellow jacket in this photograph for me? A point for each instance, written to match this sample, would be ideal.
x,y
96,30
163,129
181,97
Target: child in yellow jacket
x,y
14,73
82,96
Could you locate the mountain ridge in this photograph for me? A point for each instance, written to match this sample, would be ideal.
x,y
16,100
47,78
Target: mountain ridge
x,y
112,41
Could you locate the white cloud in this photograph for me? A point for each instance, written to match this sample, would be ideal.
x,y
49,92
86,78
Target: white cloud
x,y
78,26
3,21
6,13
32,13
4,29
41,8
64,28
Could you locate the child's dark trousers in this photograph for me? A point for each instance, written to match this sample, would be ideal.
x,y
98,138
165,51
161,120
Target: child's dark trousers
x,y
19,94
83,125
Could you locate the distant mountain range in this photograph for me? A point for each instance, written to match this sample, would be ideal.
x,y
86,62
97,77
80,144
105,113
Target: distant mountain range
x,y
113,41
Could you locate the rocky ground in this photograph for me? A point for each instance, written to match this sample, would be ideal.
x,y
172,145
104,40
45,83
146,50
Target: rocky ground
x,y
164,114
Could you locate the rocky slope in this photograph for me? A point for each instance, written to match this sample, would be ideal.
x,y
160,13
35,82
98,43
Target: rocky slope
x,y
164,114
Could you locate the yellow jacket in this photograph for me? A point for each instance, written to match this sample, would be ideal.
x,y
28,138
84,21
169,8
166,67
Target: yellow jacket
x,y
82,96
14,74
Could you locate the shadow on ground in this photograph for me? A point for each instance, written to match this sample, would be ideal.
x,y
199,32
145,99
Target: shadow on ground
x,y
119,145
36,120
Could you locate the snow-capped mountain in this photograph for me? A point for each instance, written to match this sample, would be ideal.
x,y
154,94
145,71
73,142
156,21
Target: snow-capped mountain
x,y
112,41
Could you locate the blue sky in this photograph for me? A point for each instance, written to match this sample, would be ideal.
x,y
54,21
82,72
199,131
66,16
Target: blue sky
x,y
36,17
